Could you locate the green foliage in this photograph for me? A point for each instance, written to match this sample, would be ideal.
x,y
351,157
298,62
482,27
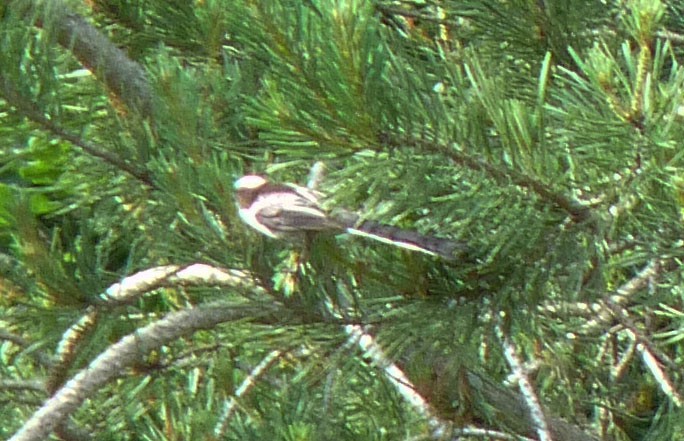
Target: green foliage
x,y
544,135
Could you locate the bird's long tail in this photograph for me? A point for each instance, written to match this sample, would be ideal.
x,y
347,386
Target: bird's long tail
x,y
434,246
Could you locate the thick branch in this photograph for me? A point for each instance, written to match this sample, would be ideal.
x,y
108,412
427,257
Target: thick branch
x,y
130,289
113,361
513,412
434,399
122,76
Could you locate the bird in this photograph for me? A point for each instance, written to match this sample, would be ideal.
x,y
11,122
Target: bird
x,y
292,212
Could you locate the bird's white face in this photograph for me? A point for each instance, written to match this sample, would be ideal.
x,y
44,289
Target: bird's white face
x,y
246,189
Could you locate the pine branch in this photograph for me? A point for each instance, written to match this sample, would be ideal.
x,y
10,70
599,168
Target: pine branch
x,y
578,211
512,409
32,113
122,76
603,311
128,291
130,288
113,361
513,412
66,348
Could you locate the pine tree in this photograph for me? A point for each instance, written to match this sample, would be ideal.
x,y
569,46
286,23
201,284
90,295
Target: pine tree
x,y
543,135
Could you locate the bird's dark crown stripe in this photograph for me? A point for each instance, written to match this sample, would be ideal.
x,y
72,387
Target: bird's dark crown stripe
x,y
273,188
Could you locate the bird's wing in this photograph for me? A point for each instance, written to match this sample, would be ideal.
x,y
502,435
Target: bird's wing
x,y
292,212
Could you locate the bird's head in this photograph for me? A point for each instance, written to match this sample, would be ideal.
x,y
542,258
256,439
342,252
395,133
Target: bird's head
x,y
247,188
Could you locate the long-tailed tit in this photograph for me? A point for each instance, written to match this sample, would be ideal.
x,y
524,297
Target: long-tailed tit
x,y
290,212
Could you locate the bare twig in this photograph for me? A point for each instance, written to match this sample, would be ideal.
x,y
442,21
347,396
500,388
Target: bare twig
x,y
245,386
660,376
372,350
619,367
604,311
470,431
18,340
530,396
32,385
672,36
